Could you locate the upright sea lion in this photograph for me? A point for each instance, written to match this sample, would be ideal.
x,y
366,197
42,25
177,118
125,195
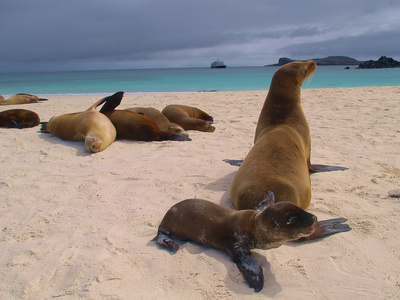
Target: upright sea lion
x,y
21,99
279,161
90,126
237,232
162,122
133,126
19,118
189,117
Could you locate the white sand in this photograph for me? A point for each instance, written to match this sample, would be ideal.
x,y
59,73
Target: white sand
x,y
79,225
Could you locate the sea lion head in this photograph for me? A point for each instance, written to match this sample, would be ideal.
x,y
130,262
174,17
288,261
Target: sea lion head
x,y
175,128
293,74
282,222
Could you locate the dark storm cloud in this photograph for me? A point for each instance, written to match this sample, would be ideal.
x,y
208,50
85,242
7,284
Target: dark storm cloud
x,y
47,34
352,46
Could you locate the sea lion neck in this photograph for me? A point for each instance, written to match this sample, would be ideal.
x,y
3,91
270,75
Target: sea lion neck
x,y
278,108
263,223
283,94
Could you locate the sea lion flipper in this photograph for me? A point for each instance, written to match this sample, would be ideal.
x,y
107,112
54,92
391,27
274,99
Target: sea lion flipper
x,y
332,226
174,136
165,241
181,138
328,227
16,125
249,267
43,126
234,162
111,102
324,168
267,200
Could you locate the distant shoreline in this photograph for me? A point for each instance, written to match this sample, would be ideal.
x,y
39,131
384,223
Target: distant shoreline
x,y
326,61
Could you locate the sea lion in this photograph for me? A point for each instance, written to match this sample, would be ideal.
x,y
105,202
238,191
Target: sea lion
x,y
133,126
19,118
237,232
90,126
162,122
21,99
279,161
189,117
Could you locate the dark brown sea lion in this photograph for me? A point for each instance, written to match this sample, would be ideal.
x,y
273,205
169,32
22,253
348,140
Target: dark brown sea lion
x,y
134,126
162,122
19,118
279,161
90,126
237,232
21,99
189,117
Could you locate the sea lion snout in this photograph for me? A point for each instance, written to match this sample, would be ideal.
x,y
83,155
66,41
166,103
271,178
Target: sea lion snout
x,y
288,221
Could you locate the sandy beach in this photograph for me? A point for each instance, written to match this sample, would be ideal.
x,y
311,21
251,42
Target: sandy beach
x,y
79,225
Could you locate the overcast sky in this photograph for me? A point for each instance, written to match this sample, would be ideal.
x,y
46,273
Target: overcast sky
x,y
47,35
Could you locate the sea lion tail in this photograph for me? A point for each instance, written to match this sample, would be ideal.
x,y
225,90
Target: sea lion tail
x,y
111,102
43,99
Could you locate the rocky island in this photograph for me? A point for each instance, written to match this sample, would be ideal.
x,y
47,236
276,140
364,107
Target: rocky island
x,y
327,61
382,62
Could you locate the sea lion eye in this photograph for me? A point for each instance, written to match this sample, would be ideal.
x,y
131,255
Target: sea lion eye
x,y
291,220
274,224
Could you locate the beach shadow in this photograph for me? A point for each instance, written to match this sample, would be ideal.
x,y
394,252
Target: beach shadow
x,y
271,286
78,145
223,184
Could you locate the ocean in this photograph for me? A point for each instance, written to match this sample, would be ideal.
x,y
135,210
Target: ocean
x,y
183,80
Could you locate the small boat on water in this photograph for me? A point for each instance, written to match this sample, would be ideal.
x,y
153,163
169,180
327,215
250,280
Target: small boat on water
x,y
218,64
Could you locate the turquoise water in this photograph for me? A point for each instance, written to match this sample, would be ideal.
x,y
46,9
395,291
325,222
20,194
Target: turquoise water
x,y
182,80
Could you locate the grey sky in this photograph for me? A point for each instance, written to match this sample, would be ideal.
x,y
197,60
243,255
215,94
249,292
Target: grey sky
x,y
44,35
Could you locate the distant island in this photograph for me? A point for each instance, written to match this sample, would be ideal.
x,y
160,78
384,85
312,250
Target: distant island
x,y
382,62
327,61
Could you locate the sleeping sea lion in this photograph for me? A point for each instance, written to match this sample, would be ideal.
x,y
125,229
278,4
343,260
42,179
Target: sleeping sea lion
x,y
279,161
189,117
236,232
21,99
90,126
133,126
19,118
162,122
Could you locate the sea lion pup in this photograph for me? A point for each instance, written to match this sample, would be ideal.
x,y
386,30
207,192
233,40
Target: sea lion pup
x,y
237,232
133,126
21,99
162,122
19,118
279,161
189,117
90,126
